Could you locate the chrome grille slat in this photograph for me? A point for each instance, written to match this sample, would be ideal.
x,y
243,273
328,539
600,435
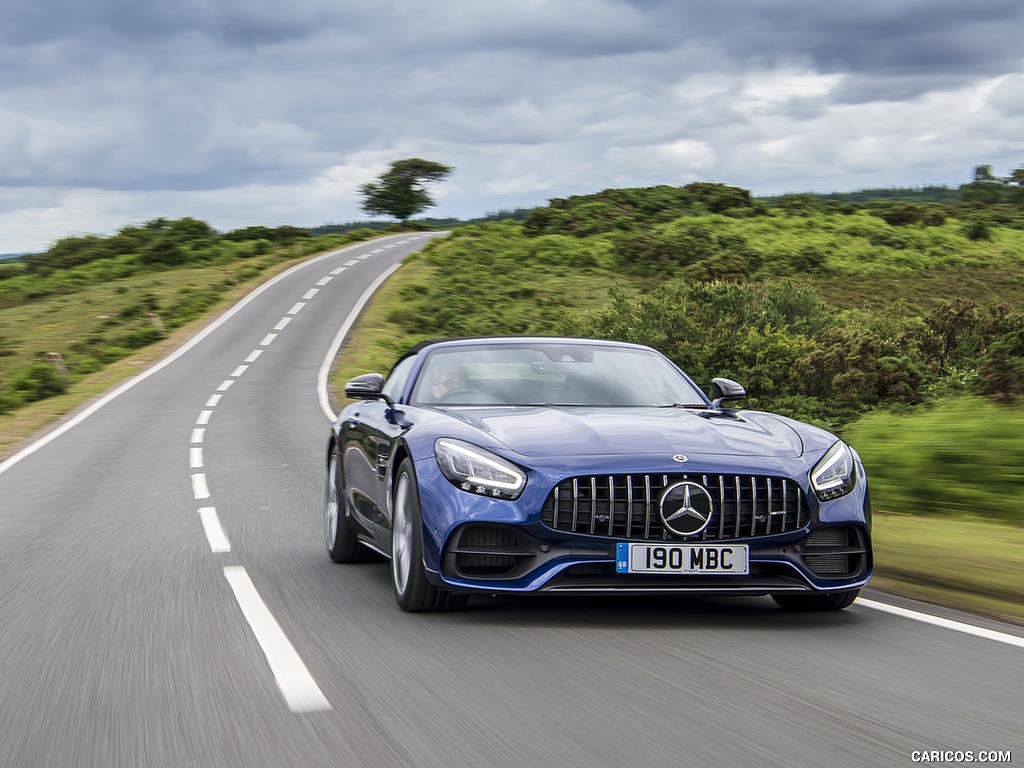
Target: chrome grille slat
x,y
745,505
629,506
647,506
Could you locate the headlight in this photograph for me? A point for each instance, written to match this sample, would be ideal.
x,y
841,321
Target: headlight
x,y
476,470
834,475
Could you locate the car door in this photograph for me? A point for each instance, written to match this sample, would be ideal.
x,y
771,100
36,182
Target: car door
x,y
368,438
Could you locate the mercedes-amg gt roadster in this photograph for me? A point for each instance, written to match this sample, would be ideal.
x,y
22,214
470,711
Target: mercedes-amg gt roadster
x,y
560,465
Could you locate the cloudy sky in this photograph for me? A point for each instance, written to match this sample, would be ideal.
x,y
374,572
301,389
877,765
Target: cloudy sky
x,y
242,112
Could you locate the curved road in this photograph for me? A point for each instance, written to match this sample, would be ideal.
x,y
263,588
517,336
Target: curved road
x,y
165,600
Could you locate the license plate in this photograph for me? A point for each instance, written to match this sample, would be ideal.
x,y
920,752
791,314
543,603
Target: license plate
x,y
731,559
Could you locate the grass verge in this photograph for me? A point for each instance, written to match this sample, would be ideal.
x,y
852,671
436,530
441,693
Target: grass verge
x,y
30,422
976,565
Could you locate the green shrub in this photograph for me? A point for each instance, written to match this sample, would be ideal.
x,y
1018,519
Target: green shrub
x,y
962,457
37,381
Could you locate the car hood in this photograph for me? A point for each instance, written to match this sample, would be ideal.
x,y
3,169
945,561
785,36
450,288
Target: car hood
x,y
554,431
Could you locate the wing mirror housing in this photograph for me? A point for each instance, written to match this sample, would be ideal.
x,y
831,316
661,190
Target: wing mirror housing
x,y
726,389
369,386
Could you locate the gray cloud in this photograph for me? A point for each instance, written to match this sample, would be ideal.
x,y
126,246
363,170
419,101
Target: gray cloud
x,y
244,112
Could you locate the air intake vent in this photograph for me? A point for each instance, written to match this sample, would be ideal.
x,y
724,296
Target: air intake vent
x,y
835,552
487,551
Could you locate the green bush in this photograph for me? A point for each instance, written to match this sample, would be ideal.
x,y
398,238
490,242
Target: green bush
x,y
962,457
37,381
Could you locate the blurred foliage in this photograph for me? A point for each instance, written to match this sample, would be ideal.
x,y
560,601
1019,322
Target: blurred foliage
x,y
964,456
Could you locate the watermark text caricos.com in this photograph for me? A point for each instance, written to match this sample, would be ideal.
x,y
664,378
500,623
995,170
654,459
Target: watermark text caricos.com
x,y
960,756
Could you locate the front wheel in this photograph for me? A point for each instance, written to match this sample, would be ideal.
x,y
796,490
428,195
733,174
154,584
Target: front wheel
x,y
413,592
342,545
831,601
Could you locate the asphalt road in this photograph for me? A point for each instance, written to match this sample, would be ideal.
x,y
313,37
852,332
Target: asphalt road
x,y
165,600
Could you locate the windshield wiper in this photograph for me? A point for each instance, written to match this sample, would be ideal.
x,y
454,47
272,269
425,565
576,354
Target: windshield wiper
x,y
691,406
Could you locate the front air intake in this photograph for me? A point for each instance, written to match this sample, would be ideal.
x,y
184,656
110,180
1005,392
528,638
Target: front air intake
x,y
836,552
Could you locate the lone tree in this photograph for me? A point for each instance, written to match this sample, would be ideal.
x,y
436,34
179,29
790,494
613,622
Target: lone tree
x,y
400,191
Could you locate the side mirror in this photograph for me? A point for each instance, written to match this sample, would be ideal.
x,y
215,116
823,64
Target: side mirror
x,y
726,389
369,386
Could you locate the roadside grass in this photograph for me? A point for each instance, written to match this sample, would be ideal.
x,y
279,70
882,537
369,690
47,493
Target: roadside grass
x,y
50,324
374,343
976,565
99,316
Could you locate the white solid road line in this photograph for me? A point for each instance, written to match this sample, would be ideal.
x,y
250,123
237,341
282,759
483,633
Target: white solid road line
x,y
325,366
215,535
938,621
300,691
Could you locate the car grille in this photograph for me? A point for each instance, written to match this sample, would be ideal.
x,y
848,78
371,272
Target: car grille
x,y
627,506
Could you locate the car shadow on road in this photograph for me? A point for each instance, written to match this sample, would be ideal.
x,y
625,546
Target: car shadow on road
x,y
647,611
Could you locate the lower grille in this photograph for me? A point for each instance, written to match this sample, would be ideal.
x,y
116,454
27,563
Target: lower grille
x,y
482,551
836,552
627,506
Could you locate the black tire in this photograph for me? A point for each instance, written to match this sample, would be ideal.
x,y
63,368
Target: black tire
x,y
830,601
341,541
413,592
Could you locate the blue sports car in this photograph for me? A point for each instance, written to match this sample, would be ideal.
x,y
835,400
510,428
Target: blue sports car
x,y
560,465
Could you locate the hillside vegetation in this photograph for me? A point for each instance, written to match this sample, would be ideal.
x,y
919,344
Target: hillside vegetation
x,y
898,325
895,321
95,300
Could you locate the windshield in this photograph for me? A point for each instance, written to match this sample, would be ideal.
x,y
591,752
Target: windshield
x,y
551,374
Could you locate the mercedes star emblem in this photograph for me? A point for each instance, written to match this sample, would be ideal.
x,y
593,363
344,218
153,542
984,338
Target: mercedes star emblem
x,y
686,508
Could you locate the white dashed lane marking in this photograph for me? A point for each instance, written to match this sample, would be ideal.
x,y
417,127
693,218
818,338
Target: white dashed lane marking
x,y
300,691
199,488
214,532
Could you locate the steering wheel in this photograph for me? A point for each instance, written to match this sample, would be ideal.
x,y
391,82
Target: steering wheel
x,y
458,391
